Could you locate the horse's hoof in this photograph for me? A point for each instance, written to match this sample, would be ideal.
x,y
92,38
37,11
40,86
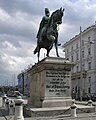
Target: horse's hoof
x,y
47,55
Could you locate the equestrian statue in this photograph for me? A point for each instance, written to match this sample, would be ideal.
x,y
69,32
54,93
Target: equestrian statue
x,y
48,34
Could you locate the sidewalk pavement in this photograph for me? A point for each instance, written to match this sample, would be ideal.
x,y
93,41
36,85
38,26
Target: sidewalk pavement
x,y
85,116
4,115
7,118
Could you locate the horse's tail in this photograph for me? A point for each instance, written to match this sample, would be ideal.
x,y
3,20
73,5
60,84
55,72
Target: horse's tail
x,y
36,50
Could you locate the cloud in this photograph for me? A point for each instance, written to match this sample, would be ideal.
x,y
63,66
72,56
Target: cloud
x,y
29,6
80,12
18,25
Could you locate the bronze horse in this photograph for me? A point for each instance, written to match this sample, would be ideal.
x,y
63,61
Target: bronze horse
x,y
50,35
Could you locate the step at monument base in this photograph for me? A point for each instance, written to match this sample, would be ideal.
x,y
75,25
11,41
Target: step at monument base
x,y
56,111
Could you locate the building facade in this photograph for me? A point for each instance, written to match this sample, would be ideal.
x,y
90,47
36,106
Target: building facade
x,y
80,50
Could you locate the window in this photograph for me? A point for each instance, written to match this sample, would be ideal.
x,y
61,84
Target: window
x,y
89,65
77,56
77,68
89,39
89,51
72,48
67,50
72,59
89,90
82,42
83,53
72,69
76,89
89,80
83,67
77,46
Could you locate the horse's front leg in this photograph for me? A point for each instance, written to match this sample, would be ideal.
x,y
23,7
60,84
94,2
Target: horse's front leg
x,y
56,46
38,54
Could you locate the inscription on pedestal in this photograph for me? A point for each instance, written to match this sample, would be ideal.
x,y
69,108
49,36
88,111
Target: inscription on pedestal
x,y
57,83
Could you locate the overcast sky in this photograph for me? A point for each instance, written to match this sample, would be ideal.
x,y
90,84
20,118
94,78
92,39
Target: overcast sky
x,y
19,22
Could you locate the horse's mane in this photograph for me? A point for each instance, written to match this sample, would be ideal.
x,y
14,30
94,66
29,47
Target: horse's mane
x,y
51,17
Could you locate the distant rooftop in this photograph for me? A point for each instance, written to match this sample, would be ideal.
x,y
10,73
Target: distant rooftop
x,y
83,32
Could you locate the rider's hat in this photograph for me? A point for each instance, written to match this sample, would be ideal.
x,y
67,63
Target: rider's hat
x,y
46,10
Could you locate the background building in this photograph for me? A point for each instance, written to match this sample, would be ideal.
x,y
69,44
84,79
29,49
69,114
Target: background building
x,y
21,82
80,51
24,83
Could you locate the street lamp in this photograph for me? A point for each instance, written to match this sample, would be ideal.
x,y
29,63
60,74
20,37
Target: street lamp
x,y
81,75
81,64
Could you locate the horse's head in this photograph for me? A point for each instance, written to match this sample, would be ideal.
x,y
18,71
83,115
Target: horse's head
x,y
57,16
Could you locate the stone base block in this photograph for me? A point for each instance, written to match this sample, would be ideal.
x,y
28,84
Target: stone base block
x,y
57,102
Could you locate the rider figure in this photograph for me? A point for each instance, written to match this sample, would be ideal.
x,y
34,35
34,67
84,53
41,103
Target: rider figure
x,y
43,25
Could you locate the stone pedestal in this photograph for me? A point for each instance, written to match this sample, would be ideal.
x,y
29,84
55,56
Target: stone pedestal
x,y
50,84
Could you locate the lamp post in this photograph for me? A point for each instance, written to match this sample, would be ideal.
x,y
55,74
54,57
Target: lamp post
x,y
81,64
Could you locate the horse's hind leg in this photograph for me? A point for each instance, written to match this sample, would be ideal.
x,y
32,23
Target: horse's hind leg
x,y
47,53
56,46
